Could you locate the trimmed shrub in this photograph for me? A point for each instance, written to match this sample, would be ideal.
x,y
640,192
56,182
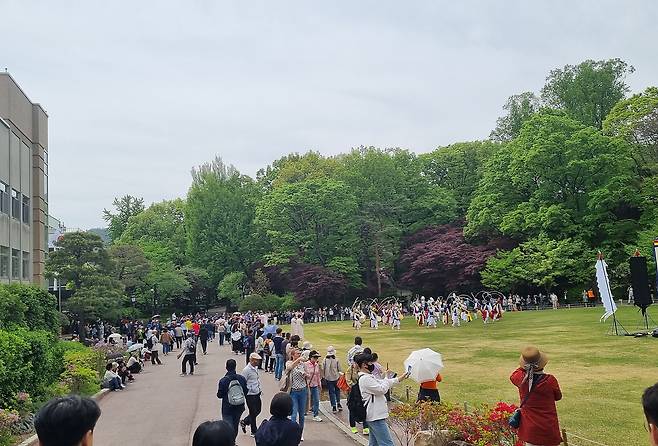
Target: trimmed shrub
x,y
28,306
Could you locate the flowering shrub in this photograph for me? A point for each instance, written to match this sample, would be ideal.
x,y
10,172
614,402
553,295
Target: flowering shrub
x,y
7,420
482,426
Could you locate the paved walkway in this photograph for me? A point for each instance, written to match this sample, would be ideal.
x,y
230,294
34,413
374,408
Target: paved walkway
x,y
163,408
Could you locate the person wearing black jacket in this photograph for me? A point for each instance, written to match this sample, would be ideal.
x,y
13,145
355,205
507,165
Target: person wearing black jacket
x,y
203,337
230,413
279,430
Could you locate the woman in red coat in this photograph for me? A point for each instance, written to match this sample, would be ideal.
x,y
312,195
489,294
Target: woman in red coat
x,y
539,423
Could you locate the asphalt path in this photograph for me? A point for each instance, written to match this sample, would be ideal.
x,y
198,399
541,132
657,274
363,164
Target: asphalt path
x,y
163,408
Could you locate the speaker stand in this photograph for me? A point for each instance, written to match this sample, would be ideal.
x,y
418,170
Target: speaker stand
x,y
616,328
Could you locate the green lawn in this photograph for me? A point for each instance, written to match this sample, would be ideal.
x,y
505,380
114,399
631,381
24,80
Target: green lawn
x,y
602,376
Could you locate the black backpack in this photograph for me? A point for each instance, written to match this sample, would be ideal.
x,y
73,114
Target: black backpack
x,y
191,348
355,403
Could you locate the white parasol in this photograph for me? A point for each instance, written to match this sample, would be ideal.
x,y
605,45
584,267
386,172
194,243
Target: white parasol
x,y
423,365
134,347
114,336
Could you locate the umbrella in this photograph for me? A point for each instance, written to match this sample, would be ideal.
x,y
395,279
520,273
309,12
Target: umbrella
x,y
155,316
114,336
134,347
424,365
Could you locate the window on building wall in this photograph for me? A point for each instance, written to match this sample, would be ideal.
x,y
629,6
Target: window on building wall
x,y
15,264
26,265
4,198
15,204
4,262
26,209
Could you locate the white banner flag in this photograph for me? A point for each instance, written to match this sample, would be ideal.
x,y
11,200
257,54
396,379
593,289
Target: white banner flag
x,y
604,289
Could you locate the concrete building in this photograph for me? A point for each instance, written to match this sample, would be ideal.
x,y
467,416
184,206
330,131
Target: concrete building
x,y
23,186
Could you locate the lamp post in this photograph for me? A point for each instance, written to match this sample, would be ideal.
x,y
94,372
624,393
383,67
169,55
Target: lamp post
x,y
155,298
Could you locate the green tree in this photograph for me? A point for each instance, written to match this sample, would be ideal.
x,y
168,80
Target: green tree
x,y
636,121
587,91
310,221
233,287
540,263
457,169
131,267
160,232
125,207
558,177
519,109
219,218
77,256
165,284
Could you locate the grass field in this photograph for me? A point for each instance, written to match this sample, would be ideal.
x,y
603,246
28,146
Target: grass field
x,y
602,376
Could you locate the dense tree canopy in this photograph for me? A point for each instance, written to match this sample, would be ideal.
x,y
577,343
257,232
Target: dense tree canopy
x,y
567,171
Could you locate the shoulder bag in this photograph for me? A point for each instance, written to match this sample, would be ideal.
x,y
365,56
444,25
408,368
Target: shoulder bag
x,y
515,419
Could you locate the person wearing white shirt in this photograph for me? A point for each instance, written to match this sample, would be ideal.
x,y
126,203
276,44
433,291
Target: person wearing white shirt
x,y
254,404
373,392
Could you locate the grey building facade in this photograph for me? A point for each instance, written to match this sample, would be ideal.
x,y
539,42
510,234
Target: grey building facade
x,y
23,186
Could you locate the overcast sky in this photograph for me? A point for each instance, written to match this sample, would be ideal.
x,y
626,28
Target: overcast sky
x,y
140,92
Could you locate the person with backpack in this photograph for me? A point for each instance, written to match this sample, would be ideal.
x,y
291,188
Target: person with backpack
x,y
188,353
254,404
372,407
232,390
268,354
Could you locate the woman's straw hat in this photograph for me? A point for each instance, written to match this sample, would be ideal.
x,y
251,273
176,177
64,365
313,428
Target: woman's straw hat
x,y
532,356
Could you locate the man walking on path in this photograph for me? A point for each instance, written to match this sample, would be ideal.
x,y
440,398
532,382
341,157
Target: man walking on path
x,y
250,373
203,337
279,354
231,390
178,333
188,353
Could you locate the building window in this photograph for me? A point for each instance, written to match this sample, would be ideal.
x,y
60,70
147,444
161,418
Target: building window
x,y
4,198
26,209
15,264
15,204
4,262
26,265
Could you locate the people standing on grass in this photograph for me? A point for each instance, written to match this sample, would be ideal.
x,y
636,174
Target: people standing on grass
x,y
373,393
298,386
254,391
232,390
279,430
188,353
538,392
331,372
429,390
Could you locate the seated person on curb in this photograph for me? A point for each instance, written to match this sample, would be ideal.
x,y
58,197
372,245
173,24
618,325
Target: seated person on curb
x,y
650,405
111,380
133,364
68,420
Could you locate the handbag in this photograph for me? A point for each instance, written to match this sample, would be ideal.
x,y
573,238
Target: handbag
x,y
515,419
284,384
342,383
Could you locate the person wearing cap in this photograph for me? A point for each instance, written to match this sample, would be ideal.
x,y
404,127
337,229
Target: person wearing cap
x,y
254,404
279,430
650,406
538,392
331,373
314,378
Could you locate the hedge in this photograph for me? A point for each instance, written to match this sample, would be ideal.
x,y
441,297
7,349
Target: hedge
x,y
28,306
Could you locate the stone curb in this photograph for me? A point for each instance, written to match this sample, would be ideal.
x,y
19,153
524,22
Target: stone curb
x,y
325,408
34,439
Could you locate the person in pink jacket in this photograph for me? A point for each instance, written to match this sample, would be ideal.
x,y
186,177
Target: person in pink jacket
x,y
313,377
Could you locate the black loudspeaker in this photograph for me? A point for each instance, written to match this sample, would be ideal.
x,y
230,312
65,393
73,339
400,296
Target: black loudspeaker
x,y
640,282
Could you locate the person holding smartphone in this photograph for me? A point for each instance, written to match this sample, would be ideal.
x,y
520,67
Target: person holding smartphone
x,y
372,392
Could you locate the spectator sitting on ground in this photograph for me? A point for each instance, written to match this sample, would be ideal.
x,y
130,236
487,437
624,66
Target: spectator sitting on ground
x,y
214,433
650,404
111,380
67,421
279,430
133,364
